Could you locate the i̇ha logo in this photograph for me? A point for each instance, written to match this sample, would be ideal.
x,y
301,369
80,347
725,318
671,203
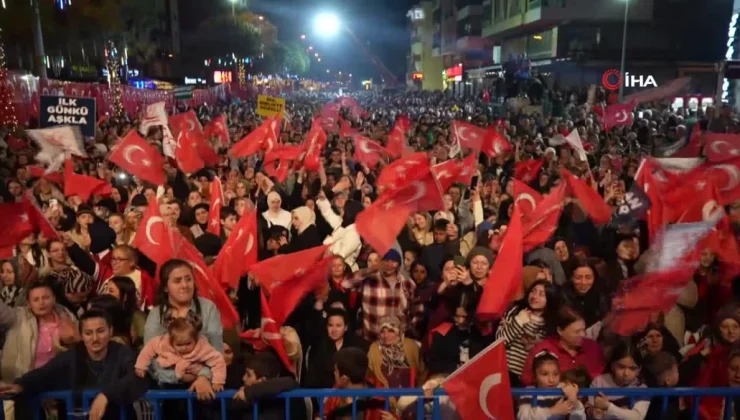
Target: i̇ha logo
x,y
612,79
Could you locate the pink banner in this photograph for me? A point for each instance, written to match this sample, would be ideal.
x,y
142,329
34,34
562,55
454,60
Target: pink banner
x,y
26,91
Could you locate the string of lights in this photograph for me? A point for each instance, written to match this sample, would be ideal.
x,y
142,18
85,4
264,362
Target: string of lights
x,y
114,77
8,115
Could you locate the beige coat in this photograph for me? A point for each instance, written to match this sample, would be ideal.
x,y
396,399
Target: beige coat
x,y
20,343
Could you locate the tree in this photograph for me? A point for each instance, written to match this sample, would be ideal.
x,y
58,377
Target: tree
x,y
222,36
291,57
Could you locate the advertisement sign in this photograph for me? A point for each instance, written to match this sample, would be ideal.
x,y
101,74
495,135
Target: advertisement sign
x,y
418,76
268,106
221,77
64,110
453,72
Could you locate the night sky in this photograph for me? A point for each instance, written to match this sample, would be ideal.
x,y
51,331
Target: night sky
x,y
380,24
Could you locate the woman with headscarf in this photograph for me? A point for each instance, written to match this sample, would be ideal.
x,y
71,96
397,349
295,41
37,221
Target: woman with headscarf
x,y
275,215
200,220
307,235
394,360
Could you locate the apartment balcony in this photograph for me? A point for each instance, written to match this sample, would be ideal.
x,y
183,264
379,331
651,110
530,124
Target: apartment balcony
x,y
470,43
470,10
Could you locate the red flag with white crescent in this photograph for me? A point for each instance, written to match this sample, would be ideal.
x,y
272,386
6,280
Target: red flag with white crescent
x,y
238,253
526,197
368,151
480,389
83,186
153,237
279,269
214,213
468,136
398,171
268,334
188,135
618,115
217,128
720,147
138,158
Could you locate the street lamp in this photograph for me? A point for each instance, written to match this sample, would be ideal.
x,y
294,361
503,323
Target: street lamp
x,y
233,8
327,70
316,55
261,18
303,36
327,24
624,49
319,60
310,47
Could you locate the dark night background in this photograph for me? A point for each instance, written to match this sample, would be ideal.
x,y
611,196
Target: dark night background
x,y
379,24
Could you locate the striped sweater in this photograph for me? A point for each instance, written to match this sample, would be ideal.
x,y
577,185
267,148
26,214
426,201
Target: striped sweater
x,y
520,332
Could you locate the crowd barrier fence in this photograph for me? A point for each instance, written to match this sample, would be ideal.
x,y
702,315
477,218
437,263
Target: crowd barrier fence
x,y
156,396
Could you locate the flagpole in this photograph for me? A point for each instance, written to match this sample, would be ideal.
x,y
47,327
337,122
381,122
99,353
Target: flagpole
x,y
624,50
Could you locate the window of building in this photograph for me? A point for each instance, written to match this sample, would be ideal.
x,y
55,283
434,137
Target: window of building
x,y
533,4
470,26
515,7
540,45
487,13
500,10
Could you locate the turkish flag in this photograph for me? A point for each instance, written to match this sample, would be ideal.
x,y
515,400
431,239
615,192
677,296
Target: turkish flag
x,y
38,219
368,151
526,197
539,226
346,130
380,223
396,142
281,268
528,170
264,137
618,115
35,171
455,171
207,286
590,200
238,253
137,157
480,389
720,147
649,178
15,222
693,148
505,278
403,123
82,185
285,296
468,136
725,175
217,128
214,213
495,143
268,334
313,146
398,171
188,135
154,237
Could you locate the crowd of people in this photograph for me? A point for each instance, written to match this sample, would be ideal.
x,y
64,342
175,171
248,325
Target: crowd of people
x,y
92,311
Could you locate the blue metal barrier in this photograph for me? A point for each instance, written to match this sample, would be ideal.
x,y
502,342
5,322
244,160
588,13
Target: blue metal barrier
x,y
156,396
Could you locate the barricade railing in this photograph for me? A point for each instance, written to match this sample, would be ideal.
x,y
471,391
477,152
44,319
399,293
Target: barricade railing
x,y
154,397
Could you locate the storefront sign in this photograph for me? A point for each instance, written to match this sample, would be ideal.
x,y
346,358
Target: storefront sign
x,y
453,72
418,76
221,76
63,110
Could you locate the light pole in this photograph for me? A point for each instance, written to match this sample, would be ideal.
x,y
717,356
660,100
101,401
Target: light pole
x,y
38,40
624,49
233,8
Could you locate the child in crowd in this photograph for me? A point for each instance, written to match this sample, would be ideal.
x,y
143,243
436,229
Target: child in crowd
x,y
262,384
662,371
624,372
546,372
185,351
350,370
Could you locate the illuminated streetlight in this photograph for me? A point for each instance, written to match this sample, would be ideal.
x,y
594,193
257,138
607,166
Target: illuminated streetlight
x,y
303,36
327,24
261,18
340,73
316,55
350,75
319,60
310,47
327,70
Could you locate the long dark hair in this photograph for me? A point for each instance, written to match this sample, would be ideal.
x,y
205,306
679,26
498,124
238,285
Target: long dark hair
x,y
120,318
551,306
161,299
624,348
127,291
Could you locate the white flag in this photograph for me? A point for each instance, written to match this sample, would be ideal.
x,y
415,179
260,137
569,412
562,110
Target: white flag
x,y
57,144
155,115
574,140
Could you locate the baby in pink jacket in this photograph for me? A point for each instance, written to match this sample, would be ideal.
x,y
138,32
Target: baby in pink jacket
x,y
185,351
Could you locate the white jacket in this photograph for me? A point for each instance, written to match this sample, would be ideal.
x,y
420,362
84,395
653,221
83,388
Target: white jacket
x,y
344,241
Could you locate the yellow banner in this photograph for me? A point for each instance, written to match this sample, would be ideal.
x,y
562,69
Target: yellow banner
x,y
268,106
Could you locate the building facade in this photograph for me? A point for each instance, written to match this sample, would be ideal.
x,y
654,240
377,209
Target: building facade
x,y
575,42
424,69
